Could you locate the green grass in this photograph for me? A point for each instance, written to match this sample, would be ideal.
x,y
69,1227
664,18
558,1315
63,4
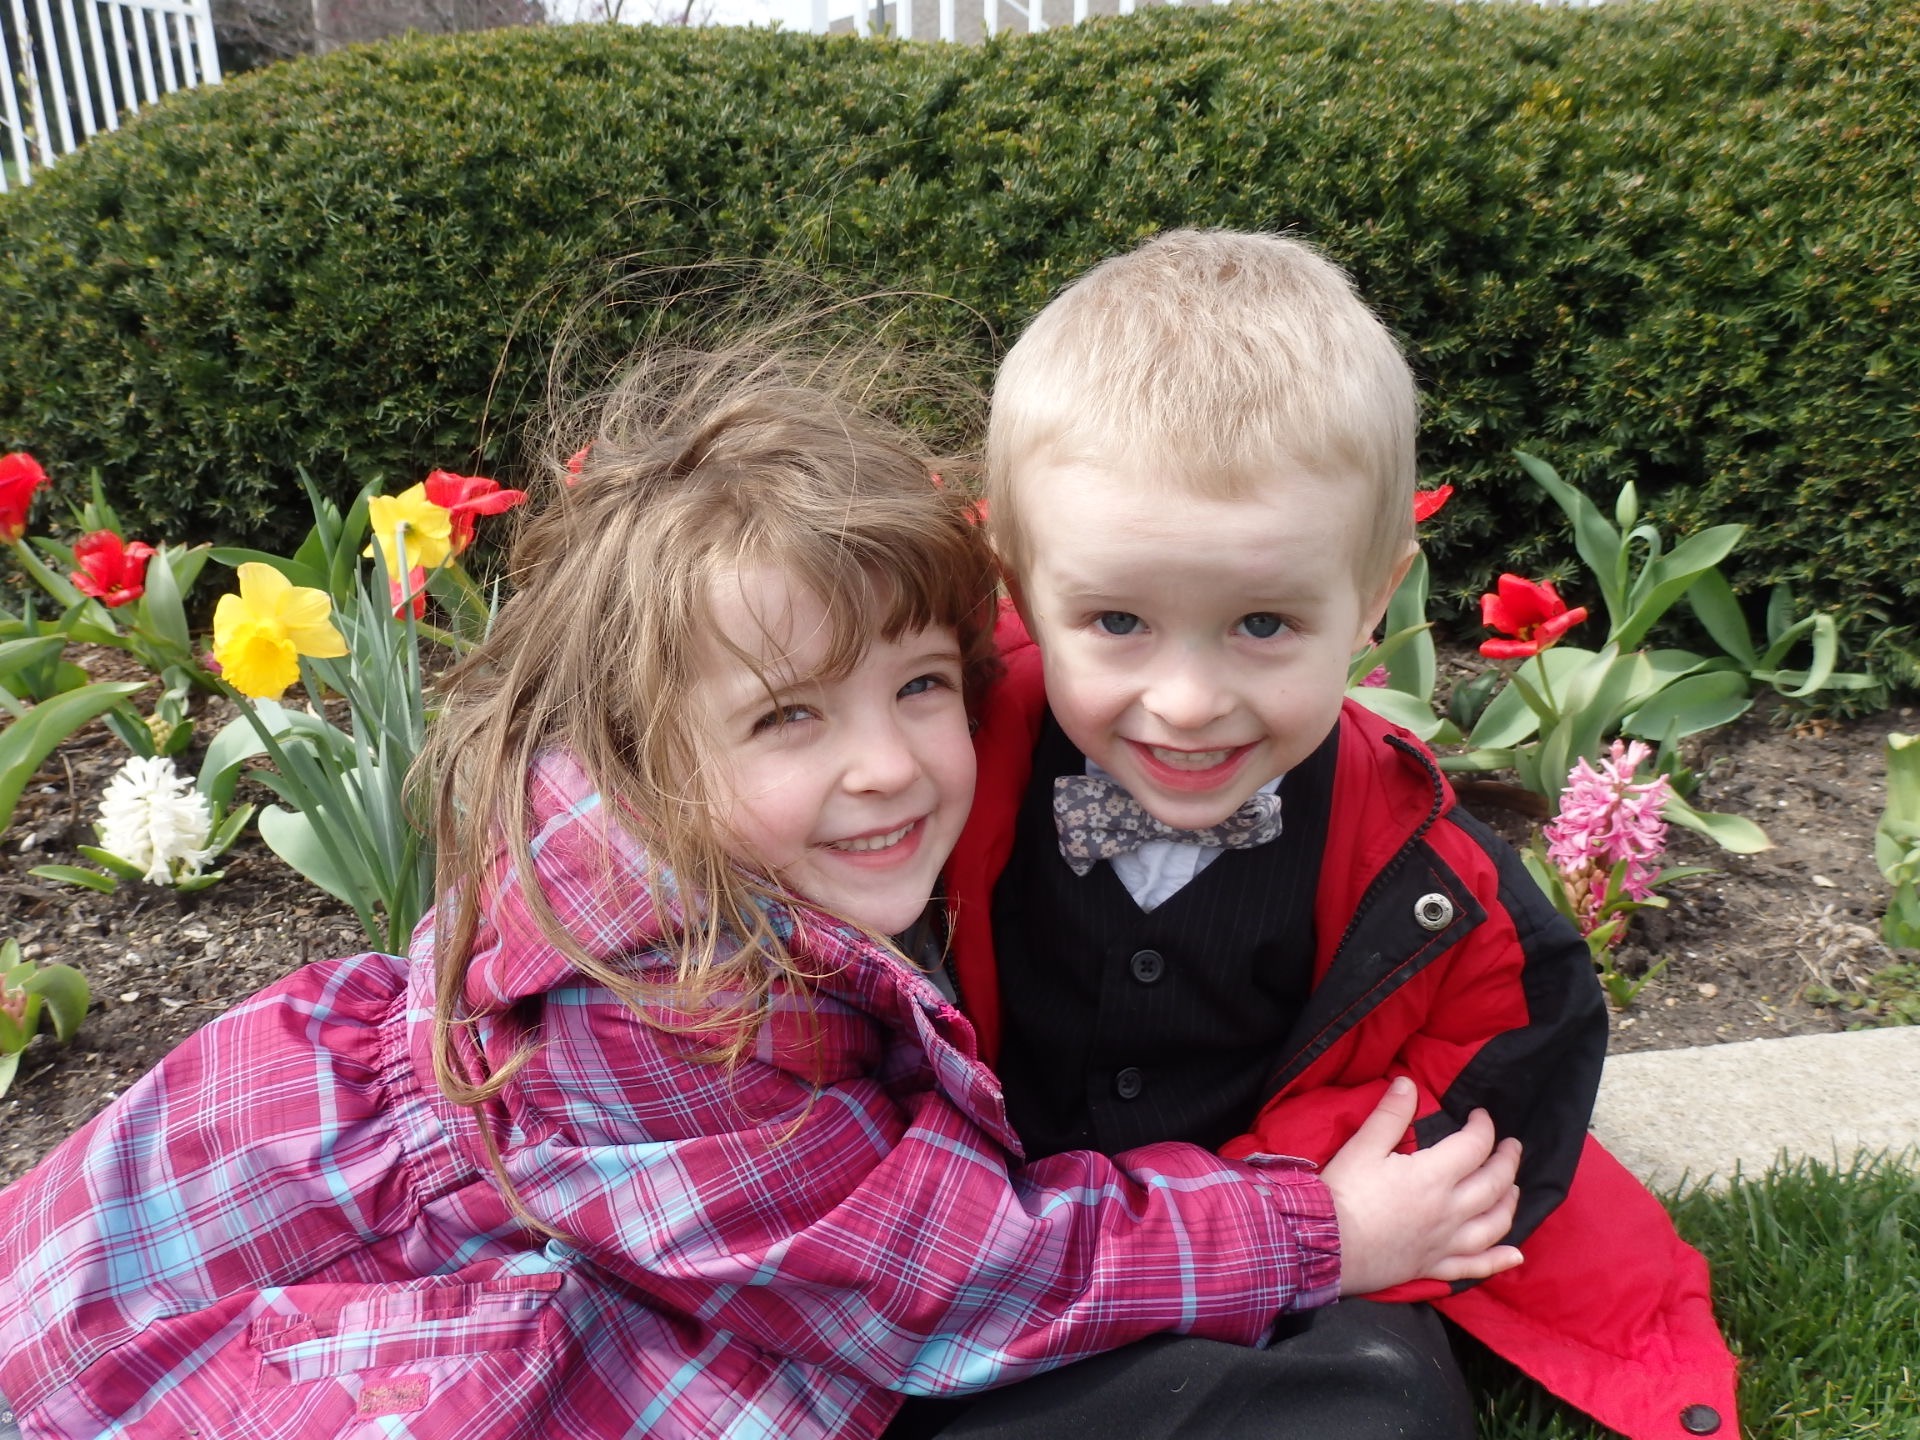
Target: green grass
x,y
1816,1279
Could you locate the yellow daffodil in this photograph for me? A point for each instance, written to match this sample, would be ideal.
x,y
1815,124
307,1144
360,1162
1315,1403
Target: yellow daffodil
x,y
426,528
260,634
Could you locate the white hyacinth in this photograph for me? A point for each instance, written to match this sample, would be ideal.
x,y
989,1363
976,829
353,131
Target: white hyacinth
x,y
151,816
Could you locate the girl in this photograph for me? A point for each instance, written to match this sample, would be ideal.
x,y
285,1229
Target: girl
x,y
653,1133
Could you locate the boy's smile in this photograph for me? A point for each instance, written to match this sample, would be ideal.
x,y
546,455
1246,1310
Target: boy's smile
x,y
1195,648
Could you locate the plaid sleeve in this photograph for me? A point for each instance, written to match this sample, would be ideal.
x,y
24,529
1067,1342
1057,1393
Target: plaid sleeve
x,y
875,1230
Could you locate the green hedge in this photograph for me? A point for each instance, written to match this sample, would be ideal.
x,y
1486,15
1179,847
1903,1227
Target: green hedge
x,y
1672,242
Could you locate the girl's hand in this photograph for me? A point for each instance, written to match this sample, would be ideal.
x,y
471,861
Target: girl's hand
x,y
1437,1214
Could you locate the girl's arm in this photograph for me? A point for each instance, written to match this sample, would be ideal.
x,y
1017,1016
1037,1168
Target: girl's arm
x,y
868,1225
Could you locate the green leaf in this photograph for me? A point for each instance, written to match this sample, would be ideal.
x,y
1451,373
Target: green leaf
x,y
1718,610
107,860
1692,705
1665,580
75,875
164,608
1734,833
1478,762
1596,539
14,1035
30,739
9,1064
1404,710
290,835
229,828
1411,664
19,655
1826,647
65,991
1508,718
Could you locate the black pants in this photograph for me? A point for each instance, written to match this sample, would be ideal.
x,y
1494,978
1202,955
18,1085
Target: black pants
x,y
1352,1371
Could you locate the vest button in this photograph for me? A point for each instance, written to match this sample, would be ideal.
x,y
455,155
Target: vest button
x,y
1148,966
1129,1083
1700,1420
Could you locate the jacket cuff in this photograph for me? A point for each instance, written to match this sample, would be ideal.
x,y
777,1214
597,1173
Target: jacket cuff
x,y
1308,1226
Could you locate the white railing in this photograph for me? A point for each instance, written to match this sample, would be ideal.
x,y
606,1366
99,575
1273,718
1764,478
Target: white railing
x,y
71,68
958,20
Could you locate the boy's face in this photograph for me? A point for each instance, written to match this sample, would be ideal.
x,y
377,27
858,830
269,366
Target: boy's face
x,y
1195,648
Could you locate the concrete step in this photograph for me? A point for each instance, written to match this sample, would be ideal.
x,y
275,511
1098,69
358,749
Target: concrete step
x,y
1693,1116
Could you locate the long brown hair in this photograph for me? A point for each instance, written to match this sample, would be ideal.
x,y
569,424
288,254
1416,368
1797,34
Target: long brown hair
x,y
697,465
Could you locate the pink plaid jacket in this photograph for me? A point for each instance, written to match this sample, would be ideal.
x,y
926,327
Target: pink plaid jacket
x,y
284,1230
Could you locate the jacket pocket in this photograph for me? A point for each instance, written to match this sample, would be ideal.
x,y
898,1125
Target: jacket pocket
x,y
340,1329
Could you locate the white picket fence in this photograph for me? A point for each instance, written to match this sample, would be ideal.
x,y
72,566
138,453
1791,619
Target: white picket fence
x,y
958,20
72,68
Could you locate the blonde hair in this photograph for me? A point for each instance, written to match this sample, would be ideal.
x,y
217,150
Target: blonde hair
x,y
1207,358
698,465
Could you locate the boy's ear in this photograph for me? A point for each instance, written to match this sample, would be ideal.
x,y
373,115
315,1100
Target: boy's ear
x,y
1376,608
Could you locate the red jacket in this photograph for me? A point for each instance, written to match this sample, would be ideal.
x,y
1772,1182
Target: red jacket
x,y
1611,1310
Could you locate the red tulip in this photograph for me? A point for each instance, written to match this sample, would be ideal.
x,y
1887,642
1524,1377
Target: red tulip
x,y
413,594
20,476
1531,612
465,496
1429,503
111,571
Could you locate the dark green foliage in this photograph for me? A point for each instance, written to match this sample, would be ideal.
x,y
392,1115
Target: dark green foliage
x,y
1672,242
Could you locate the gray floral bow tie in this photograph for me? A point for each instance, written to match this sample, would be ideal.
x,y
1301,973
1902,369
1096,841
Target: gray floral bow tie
x,y
1098,819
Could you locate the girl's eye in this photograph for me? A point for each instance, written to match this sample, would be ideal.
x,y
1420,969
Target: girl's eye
x,y
921,684
1117,622
779,719
1262,624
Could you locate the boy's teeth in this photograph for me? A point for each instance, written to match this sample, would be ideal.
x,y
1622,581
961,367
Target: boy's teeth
x,y
873,842
1190,759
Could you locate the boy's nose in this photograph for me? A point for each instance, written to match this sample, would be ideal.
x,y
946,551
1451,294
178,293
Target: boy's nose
x,y
1186,695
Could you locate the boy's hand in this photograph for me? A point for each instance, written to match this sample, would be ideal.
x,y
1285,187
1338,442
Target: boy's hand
x,y
1436,1214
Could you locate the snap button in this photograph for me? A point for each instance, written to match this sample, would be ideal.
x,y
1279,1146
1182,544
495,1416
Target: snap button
x,y
1148,966
1129,1083
1700,1419
1433,911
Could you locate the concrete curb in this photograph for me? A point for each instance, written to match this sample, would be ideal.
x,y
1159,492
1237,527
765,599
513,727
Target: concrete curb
x,y
1695,1116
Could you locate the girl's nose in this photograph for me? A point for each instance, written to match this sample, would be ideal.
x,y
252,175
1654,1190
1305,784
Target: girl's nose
x,y
879,759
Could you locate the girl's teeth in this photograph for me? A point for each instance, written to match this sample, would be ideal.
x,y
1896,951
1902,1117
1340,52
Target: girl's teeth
x,y
1190,759
873,842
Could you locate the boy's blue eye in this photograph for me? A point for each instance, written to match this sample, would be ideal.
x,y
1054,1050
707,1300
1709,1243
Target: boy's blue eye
x,y
921,684
1117,622
1262,624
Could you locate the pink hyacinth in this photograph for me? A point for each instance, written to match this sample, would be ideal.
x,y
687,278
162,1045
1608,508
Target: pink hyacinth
x,y
1606,817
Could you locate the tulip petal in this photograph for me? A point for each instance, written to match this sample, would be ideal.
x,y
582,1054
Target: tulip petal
x,y
1509,649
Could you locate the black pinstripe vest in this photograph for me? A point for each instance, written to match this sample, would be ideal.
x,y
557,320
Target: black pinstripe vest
x,y
1124,1027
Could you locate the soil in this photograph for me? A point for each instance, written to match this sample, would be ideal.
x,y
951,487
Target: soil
x,y
1744,951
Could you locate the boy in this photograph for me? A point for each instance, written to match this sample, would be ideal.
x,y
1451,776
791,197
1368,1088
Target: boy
x,y
1220,895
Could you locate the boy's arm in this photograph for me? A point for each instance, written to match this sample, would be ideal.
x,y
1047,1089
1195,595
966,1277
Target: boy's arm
x,y
1510,1020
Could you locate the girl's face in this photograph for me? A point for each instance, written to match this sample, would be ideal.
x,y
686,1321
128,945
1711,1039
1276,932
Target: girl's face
x,y
850,791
